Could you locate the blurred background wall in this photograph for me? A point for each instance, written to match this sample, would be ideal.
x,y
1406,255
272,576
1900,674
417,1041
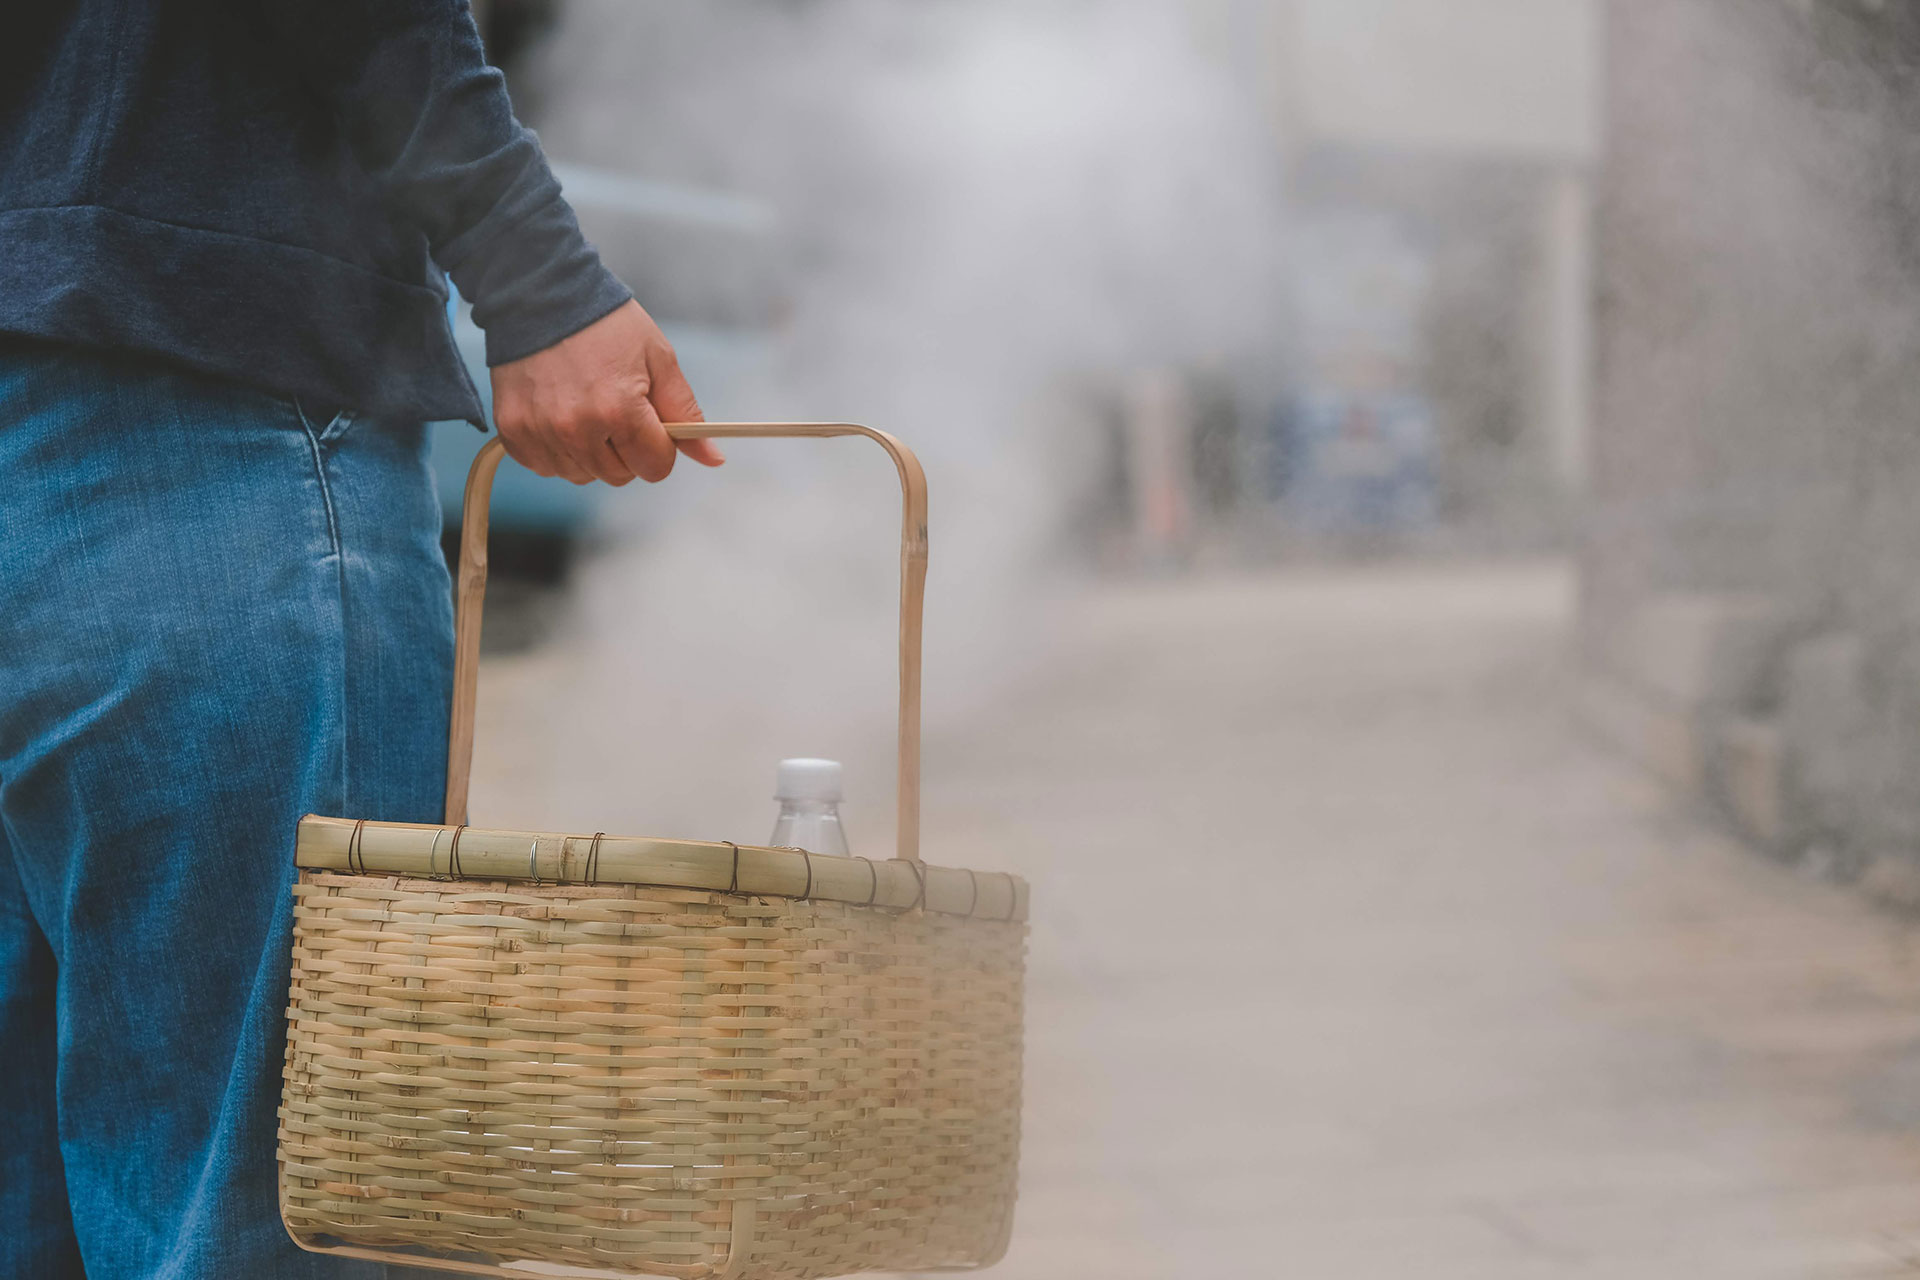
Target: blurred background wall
x,y
1748,557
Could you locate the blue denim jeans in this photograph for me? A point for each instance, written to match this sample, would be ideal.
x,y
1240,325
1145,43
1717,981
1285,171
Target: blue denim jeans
x,y
218,611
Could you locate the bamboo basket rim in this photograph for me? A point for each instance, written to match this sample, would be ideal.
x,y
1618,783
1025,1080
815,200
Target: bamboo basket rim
x,y
465,856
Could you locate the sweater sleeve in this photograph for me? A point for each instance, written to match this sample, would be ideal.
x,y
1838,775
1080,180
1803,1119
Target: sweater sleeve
x,y
430,122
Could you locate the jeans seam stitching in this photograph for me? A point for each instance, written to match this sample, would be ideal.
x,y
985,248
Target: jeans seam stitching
x,y
338,551
315,451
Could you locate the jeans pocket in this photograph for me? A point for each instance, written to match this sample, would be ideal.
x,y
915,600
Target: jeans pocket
x,y
325,428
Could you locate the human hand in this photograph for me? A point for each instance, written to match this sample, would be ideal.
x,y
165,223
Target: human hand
x,y
590,406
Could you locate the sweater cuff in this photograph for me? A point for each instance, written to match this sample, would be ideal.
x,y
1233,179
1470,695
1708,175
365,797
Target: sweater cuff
x,y
536,281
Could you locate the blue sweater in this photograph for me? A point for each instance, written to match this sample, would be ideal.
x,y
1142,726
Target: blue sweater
x,y
268,190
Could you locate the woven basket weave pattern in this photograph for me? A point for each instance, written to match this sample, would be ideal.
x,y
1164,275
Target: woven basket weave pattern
x,y
595,1075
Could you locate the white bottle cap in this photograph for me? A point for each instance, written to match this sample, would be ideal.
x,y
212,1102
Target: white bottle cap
x,y
807,779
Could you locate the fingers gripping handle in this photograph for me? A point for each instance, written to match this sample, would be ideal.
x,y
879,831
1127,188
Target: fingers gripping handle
x,y
913,581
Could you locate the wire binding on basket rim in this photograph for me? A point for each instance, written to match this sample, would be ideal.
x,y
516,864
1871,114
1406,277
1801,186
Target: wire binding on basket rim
x,y
356,859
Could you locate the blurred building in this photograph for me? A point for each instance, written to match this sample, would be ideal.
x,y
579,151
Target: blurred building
x,y
1752,608
1438,161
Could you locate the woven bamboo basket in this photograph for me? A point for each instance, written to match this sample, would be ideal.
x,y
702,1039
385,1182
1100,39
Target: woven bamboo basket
x,y
520,1053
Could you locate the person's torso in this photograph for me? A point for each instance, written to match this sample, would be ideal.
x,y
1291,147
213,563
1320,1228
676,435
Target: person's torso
x,y
185,112
170,186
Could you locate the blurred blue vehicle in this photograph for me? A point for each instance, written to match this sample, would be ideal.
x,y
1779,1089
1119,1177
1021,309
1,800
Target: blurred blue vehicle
x,y
1352,462
704,264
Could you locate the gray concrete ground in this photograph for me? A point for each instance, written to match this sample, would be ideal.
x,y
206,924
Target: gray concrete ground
x,y
1351,958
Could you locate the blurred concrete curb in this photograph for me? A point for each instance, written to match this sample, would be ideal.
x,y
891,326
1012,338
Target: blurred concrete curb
x,y
1730,704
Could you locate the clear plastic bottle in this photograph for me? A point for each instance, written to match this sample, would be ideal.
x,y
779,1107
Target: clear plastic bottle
x,y
809,796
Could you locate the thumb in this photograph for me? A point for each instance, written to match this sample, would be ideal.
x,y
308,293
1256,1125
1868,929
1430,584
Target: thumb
x,y
704,452
673,400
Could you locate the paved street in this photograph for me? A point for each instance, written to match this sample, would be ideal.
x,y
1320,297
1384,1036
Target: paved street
x,y
1353,958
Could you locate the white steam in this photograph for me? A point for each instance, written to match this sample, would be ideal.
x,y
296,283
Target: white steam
x,y
988,209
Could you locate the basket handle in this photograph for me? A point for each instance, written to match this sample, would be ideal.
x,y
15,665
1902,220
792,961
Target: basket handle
x,y
913,582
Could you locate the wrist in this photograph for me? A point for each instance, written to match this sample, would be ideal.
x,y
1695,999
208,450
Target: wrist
x,y
536,284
